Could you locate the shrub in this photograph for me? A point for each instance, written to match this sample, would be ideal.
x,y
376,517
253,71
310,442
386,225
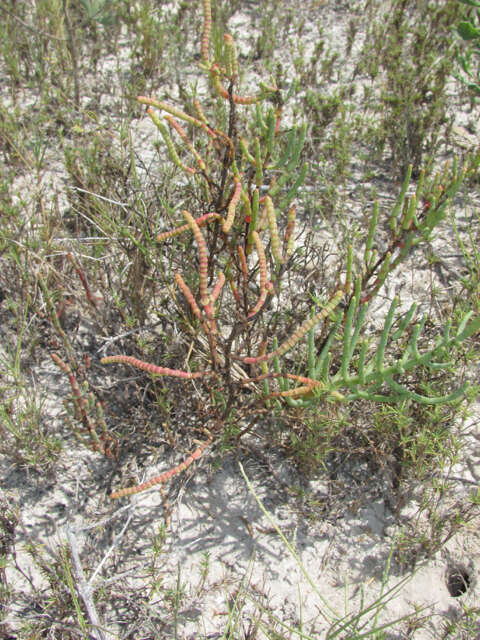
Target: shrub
x,y
243,169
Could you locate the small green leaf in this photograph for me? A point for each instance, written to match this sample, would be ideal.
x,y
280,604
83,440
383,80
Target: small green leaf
x,y
467,31
474,87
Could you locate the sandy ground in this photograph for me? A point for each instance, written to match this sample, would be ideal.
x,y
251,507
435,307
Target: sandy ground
x,y
345,536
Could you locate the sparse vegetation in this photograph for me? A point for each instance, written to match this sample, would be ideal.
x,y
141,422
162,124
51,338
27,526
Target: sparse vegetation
x,y
265,222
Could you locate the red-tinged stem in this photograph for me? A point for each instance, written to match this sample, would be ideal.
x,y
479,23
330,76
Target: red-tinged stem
x,y
278,113
262,218
199,110
188,295
224,93
202,256
202,220
309,385
307,381
59,310
227,225
164,476
66,369
83,280
79,400
218,287
169,142
153,368
182,133
207,23
243,264
234,289
254,310
265,286
209,312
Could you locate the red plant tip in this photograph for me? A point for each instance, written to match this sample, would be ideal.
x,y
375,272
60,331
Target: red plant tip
x,y
279,119
227,225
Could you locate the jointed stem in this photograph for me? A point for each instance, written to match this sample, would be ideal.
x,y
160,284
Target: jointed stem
x,y
163,477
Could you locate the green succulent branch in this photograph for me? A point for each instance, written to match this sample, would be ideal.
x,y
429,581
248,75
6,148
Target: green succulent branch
x,y
413,220
372,372
410,224
367,374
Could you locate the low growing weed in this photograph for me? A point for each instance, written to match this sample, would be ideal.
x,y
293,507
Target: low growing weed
x,y
365,623
410,56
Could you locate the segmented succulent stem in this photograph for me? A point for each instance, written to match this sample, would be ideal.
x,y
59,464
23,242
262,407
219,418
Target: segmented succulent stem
x,y
178,113
227,225
408,213
308,324
77,396
288,238
188,295
258,305
207,24
300,332
254,221
163,477
207,217
169,142
83,280
199,110
231,62
153,368
105,444
265,286
272,225
218,287
292,193
182,133
202,255
245,152
220,89
271,127
234,290
262,261
243,264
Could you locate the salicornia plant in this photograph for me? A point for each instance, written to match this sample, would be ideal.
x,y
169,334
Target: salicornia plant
x,y
246,170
